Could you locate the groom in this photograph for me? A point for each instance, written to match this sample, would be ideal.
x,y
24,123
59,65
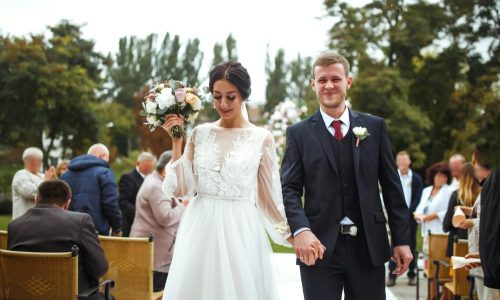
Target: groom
x,y
340,235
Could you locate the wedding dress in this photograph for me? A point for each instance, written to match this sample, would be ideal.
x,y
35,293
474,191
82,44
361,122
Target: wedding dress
x,y
222,251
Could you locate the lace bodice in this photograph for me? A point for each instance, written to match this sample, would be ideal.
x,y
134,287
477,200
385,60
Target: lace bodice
x,y
235,164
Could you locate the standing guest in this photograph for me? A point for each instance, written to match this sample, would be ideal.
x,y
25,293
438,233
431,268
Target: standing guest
x,y
489,244
412,188
62,167
434,202
94,189
456,163
464,197
26,181
49,227
156,213
129,186
482,171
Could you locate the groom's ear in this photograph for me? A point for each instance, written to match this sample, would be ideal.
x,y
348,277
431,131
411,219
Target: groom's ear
x,y
313,84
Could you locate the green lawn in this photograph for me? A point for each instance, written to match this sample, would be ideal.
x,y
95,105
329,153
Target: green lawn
x,y
4,221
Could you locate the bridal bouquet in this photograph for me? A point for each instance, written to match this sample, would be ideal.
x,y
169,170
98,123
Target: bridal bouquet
x,y
171,97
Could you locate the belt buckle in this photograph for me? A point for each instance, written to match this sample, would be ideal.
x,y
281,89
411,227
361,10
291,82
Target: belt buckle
x,y
351,230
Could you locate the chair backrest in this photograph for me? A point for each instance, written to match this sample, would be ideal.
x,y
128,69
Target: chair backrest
x,y
460,282
130,266
39,275
437,244
3,239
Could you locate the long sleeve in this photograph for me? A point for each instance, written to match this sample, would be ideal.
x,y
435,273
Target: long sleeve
x,y
165,212
179,181
24,185
270,198
292,177
447,225
94,260
109,199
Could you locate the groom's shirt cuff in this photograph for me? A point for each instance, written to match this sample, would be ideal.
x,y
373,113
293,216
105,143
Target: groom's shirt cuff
x,y
300,230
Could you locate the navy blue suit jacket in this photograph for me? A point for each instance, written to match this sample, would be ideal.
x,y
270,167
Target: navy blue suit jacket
x,y
309,169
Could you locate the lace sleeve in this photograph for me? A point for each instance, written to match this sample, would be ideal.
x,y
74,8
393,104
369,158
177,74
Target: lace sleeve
x,y
179,181
270,198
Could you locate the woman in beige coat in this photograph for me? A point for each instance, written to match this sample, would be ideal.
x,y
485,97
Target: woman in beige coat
x,y
157,214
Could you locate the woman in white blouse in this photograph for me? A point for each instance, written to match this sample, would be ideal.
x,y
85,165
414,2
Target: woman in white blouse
x,y
434,202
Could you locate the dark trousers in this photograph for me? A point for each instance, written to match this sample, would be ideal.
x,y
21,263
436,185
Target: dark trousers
x,y
350,270
413,245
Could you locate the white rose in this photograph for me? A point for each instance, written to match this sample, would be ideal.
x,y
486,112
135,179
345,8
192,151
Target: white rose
x,y
161,86
192,117
152,119
165,98
150,107
197,104
360,131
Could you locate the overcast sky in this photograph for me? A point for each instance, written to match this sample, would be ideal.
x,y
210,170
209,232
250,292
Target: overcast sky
x,y
294,25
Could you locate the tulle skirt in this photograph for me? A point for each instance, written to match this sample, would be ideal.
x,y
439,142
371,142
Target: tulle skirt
x,y
222,252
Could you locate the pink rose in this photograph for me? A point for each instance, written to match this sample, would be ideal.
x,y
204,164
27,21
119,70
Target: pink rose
x,y
180,94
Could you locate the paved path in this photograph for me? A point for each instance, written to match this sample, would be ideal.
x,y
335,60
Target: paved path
x,y
291,288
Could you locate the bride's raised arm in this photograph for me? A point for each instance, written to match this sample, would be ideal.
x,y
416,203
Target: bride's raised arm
x,y
270,198
179,181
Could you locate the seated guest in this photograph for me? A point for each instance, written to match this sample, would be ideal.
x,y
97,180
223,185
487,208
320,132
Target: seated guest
x,y
26,181
157,214
129,186
49,227
464,197
434,202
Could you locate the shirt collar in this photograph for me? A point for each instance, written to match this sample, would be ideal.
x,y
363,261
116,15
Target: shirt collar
x,y
410,173
142,175
344,118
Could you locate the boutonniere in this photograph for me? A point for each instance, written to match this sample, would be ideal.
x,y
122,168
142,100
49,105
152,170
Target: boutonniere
x,y
361,133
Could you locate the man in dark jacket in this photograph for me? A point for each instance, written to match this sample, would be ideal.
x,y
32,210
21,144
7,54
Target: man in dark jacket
x,y
129,186
413,185
49,227
94,189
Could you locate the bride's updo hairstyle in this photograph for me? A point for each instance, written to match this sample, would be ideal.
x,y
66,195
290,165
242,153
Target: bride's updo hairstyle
x,y
233,72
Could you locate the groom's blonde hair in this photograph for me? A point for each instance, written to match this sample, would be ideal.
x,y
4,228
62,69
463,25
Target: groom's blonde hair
x,y
330,58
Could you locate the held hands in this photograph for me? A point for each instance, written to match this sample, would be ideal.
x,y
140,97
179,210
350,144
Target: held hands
x,y
308,248
172,120
402,257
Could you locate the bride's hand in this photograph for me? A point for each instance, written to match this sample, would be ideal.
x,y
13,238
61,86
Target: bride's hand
x,y
172,120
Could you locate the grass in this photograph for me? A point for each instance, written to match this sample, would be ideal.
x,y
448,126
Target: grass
x,y
4,221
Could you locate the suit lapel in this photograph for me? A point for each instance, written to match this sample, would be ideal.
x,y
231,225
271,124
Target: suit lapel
x,y
355,122
324,137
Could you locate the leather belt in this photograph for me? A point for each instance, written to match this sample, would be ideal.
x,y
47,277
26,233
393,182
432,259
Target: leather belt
x,y
351,230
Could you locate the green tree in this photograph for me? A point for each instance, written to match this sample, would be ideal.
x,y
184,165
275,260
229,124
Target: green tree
x,y
276,88
45,88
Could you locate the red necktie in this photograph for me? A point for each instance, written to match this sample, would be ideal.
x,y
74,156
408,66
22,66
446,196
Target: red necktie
x,y
338,132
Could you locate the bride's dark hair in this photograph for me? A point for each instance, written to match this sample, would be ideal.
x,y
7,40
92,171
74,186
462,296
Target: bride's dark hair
x,y
233,72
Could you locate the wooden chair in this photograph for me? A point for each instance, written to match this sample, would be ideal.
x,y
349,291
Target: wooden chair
x,y
41,275
130,266
437,244
459,285
3,239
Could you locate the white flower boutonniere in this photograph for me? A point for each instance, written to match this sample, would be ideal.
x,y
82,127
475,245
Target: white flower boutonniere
x,y
361,133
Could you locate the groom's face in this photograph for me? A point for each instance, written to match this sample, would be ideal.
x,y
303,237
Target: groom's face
x,y
330,85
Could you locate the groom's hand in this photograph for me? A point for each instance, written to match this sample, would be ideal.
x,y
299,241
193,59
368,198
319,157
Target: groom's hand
x,y
308,248
402,257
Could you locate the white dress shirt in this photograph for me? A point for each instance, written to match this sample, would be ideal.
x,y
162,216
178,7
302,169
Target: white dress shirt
x,y
344,122
406,181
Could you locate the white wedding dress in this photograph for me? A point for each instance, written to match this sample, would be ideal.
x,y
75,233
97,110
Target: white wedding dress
x,y
222,251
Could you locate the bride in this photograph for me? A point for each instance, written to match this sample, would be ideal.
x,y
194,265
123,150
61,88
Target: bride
x,y
230,167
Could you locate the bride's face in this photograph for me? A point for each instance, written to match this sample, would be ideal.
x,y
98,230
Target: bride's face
x,y
227,99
